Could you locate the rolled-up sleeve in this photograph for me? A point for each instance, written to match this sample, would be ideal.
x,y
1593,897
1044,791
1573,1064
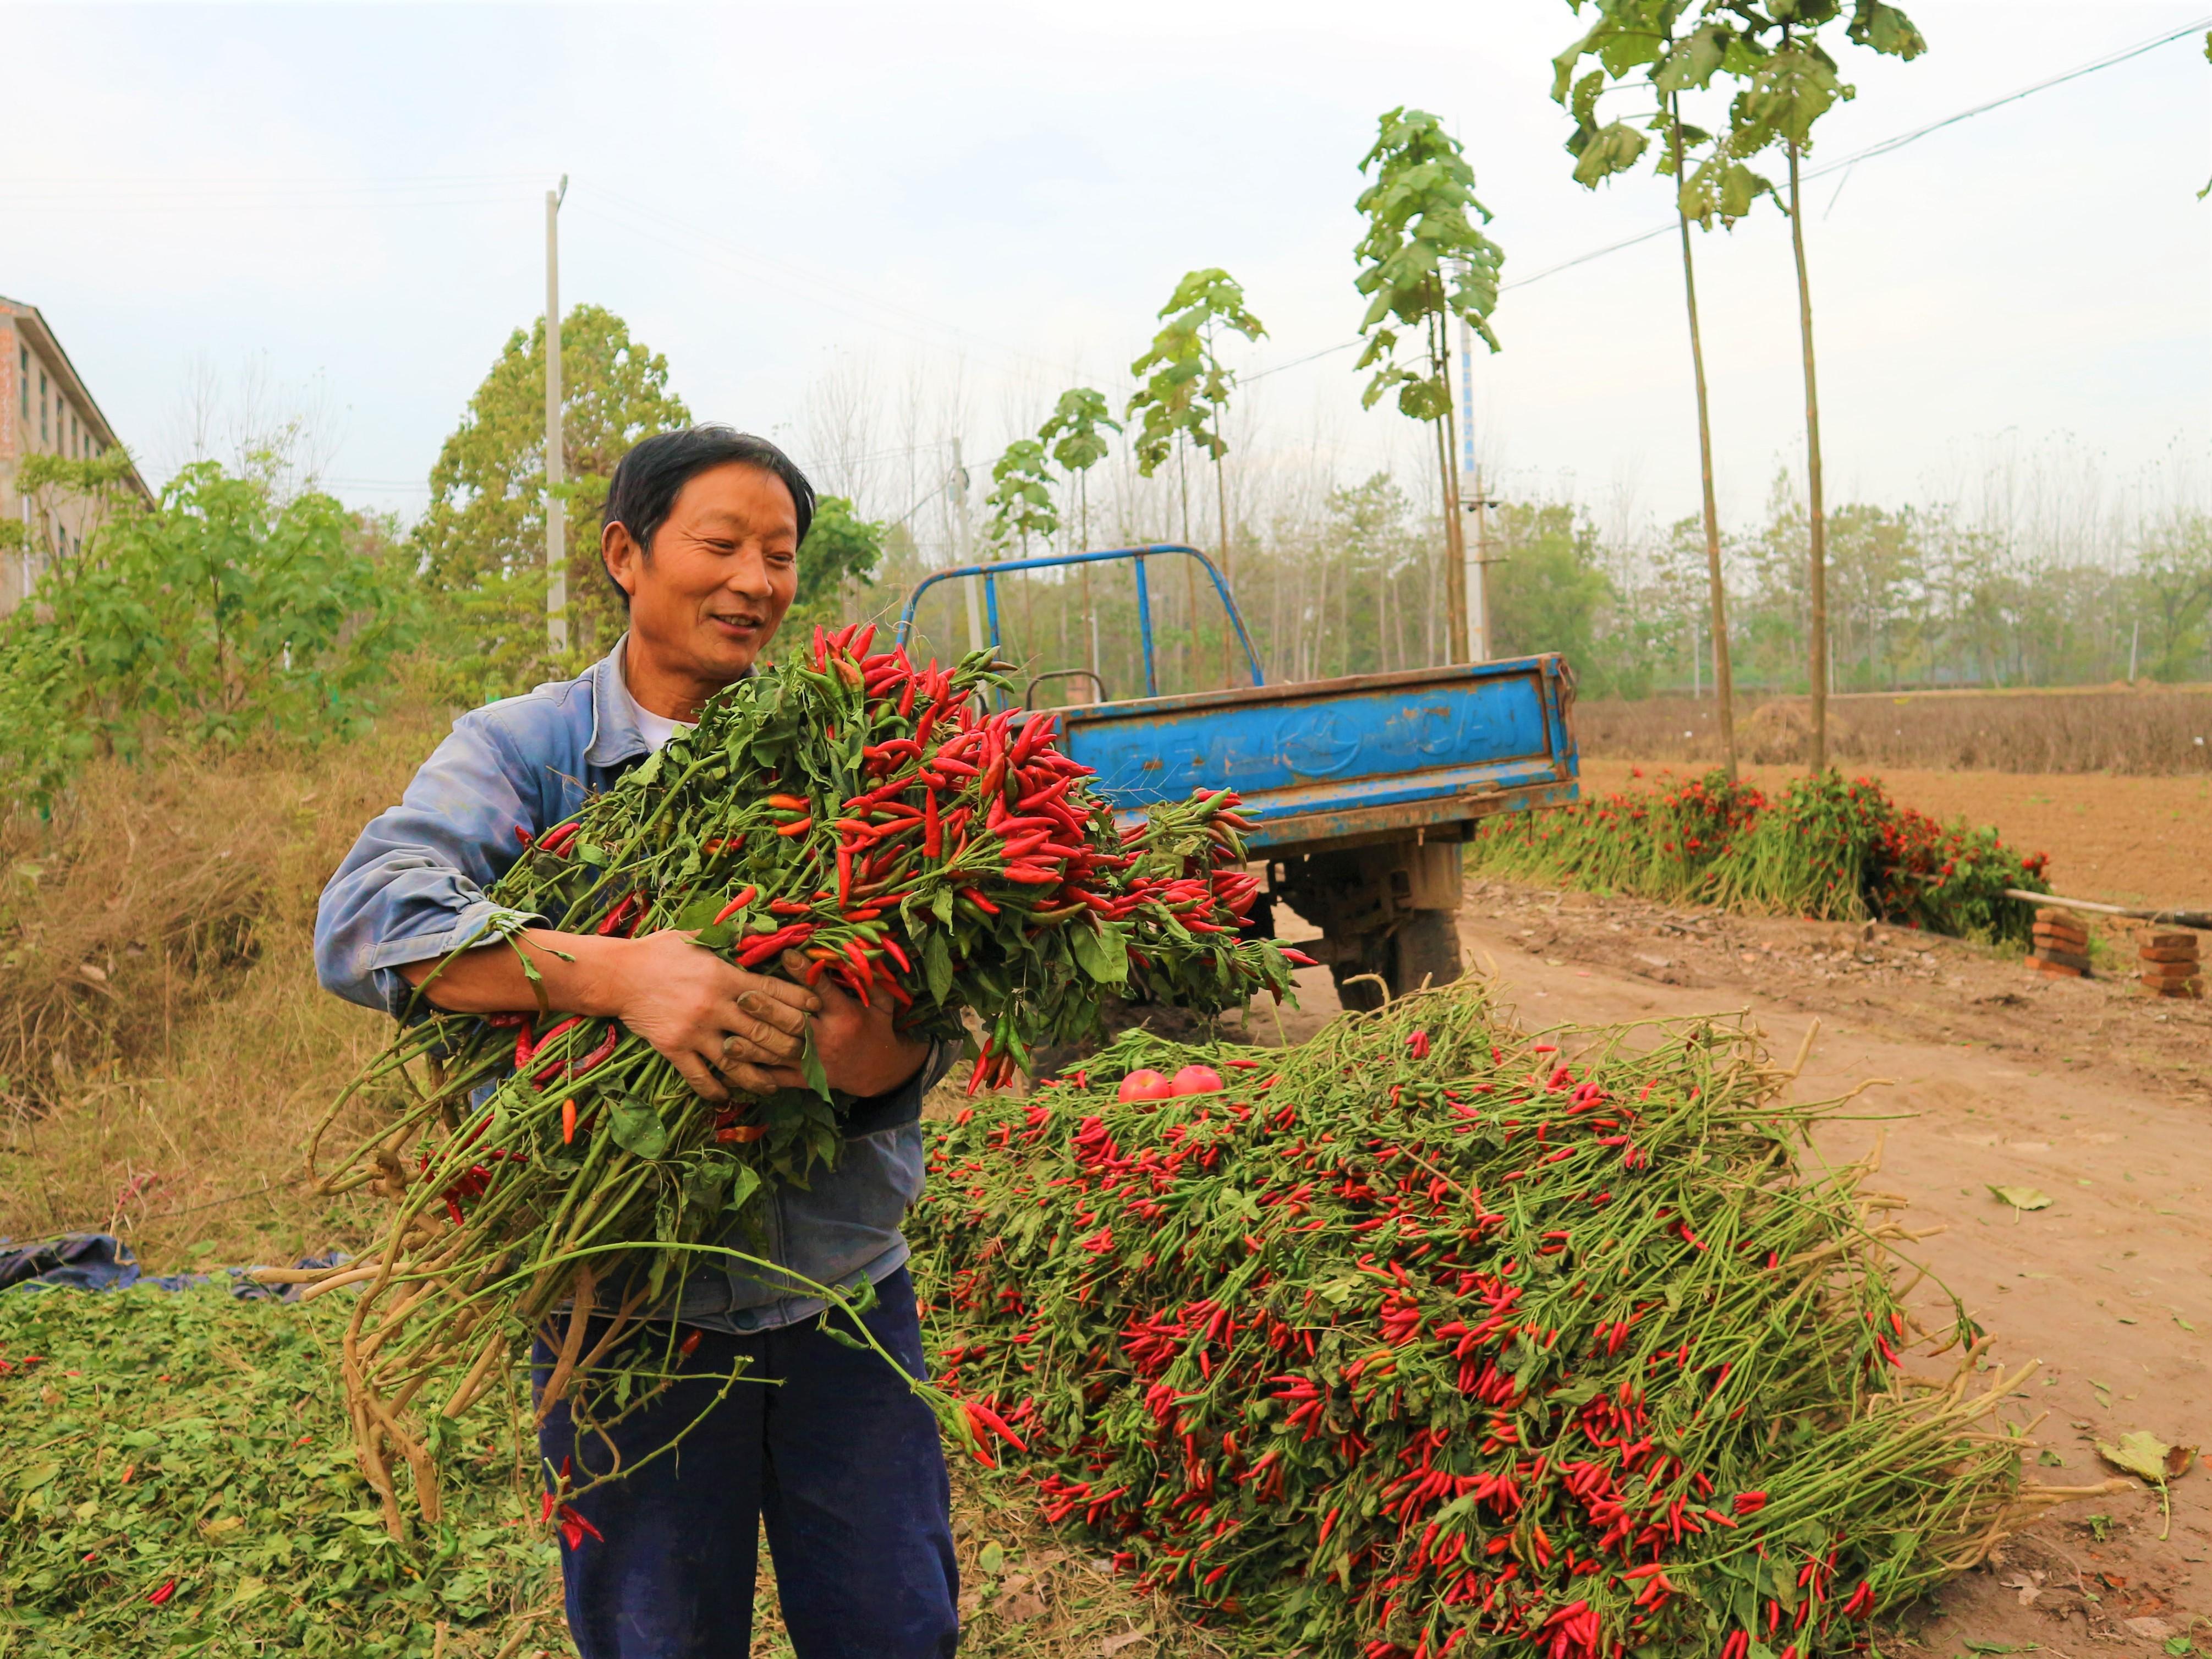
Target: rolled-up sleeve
x,y
414,887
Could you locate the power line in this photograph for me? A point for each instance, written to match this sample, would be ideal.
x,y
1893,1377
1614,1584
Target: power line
x,y
1839,164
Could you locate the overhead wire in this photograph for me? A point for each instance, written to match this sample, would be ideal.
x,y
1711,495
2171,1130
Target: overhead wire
x,y
1838,164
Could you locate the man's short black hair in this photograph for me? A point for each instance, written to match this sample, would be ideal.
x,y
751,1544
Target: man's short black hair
x,y
649,478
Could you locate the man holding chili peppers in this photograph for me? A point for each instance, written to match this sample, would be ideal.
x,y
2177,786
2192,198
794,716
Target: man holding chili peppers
x,y
702,535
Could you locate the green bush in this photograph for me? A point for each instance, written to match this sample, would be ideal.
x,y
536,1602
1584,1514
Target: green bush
x,y
219,616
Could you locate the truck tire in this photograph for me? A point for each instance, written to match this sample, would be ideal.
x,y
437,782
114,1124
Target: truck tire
x,y
1424,947
1356,990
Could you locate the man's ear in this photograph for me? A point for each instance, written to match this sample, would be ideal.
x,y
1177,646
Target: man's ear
x,y
621,554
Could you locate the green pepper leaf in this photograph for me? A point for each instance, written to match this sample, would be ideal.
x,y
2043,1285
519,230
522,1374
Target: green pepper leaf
x,y
1102,952
636,1127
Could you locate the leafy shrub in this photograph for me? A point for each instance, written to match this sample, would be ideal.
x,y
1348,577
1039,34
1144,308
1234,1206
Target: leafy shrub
x,y
219,616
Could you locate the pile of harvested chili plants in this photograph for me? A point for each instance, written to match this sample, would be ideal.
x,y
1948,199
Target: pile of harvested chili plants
x,y
1429,1335
869,814
1822,847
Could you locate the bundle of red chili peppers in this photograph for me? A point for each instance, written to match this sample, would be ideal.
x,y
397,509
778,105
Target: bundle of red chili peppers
x,y
875,816
1432,1337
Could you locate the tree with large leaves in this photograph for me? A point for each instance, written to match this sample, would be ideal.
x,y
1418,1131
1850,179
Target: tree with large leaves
x,y
1424,261
1021,505
1076,433
1627,37
482,542
1778,50
1182,400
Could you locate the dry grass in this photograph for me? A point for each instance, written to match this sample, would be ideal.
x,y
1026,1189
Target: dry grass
x,y
2147,731
164,1047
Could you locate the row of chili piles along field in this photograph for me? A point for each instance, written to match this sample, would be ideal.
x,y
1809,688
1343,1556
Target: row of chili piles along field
x,y
1824,847
1432,1336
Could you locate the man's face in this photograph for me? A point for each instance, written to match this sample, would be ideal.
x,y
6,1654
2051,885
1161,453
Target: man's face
x,y
724,567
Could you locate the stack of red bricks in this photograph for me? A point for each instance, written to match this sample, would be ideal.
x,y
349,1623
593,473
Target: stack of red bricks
x,y
2168,963
2061,946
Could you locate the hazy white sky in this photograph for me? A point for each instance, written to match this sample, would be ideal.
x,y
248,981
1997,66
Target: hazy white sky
x,y
1002,196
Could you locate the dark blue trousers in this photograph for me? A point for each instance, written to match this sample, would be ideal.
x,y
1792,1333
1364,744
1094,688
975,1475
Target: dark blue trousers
x,y
826,1445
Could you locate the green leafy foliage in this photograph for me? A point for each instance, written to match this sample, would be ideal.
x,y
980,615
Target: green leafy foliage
x,y
1629,35
221,615
842,552
482,541
1020,500
1076,429
194,1441
1423,260
1186,385
1550,590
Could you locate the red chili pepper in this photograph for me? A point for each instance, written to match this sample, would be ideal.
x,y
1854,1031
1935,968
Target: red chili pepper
x,y
796,827
979,901
157,1597
689,1345
735,905
568,1122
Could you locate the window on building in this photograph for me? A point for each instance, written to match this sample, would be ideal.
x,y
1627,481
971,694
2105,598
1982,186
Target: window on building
x,y
23,378
44,436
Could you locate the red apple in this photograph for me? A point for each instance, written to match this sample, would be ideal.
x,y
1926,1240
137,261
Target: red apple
x,y
1146,1085
1196,1080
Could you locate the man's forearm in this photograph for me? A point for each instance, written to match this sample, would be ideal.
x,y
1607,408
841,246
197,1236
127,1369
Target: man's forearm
x,y
489,979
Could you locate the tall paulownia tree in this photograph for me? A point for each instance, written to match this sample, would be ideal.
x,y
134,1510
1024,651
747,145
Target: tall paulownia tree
x,y
1625,37
1790,81
1076,430
1184,394
1021,504
1423,261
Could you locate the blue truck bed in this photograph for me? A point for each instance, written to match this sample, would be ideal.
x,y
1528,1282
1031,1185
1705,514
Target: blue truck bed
x,y
1325,761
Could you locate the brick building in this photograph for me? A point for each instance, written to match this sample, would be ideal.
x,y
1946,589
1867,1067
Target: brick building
x,y
45,409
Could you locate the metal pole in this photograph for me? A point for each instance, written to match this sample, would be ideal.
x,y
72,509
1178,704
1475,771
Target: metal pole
x,y
967,550
556,510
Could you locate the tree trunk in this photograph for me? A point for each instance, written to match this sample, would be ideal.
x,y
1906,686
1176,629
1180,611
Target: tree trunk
x,y
1723,673
1090,616
1189,574
1817,657
1459,647
1228,569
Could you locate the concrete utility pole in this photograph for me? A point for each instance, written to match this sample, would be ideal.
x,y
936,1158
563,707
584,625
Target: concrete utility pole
x,y
1477,568
556,510
959,486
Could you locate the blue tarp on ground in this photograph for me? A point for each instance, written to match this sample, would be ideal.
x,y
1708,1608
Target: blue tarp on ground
x,y
101,1261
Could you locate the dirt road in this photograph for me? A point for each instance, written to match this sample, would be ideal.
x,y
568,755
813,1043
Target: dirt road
x,y
2086,1091
2121,840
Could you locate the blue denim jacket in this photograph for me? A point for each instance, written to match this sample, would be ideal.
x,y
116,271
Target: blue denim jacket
x,y
414,888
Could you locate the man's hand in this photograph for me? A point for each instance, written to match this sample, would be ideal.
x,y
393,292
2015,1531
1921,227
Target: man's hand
x,y
860,1053
712,1021
708,1017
